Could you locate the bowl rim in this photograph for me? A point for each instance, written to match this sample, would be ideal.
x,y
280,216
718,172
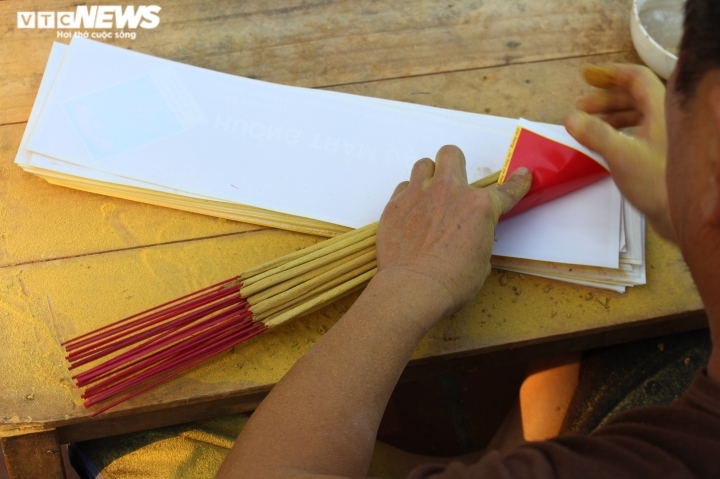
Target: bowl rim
x,y
636,18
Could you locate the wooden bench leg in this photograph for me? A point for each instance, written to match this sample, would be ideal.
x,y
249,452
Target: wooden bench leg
x,y
33,455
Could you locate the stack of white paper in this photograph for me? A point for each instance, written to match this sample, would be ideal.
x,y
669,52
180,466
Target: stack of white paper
x,y
125,124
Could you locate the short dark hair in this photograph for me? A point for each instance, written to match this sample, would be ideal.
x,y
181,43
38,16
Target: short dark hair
x,y
700,45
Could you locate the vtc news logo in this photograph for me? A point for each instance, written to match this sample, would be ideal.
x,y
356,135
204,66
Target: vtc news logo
x,y
145,16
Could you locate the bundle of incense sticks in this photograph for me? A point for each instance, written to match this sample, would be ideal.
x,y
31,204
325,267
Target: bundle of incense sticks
x,y
143,350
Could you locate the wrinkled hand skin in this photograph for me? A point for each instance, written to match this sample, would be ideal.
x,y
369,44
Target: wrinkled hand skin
x,y
438,227
628,96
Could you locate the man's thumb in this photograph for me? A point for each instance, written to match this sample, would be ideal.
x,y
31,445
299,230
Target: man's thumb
x,y
507,195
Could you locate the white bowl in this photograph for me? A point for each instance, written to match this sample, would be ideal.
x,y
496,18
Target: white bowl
x,y
656,28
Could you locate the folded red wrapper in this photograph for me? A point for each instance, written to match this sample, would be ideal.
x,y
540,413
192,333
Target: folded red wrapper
x,y
557,169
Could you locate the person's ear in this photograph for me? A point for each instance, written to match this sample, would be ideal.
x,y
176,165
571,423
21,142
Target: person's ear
x,y
711,200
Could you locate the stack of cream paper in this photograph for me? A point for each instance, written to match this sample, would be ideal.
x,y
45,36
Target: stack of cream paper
x,y
125,124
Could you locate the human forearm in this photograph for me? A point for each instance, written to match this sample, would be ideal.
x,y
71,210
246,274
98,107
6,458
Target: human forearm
x,y
323,416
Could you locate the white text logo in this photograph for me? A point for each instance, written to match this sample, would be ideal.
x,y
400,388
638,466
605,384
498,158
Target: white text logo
x,y
145,16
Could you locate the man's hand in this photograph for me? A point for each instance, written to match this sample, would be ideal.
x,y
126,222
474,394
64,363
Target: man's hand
x,y
628,96
439,228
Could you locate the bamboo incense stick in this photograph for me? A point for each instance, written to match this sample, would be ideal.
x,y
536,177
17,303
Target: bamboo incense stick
x,y
141,351
263,316
260,305
284,274
279,288
321,300
308,254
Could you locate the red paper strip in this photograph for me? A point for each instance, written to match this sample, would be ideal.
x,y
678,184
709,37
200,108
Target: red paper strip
x,y
557,169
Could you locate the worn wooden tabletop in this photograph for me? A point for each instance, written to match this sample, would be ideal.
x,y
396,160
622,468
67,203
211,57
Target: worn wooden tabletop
x,y
72,261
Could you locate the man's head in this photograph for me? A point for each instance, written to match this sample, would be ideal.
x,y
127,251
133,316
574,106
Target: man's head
x,y
692,107
693,124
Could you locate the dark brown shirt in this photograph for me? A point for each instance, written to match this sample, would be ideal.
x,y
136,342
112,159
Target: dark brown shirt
x,y
677,441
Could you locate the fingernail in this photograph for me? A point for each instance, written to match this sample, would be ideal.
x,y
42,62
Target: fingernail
x,y
522,171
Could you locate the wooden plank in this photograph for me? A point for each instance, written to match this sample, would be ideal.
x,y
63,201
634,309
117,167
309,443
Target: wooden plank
x,y
196,410
542,91
33,455
322,43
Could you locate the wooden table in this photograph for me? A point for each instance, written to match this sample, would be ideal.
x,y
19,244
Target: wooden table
x,y
71,261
